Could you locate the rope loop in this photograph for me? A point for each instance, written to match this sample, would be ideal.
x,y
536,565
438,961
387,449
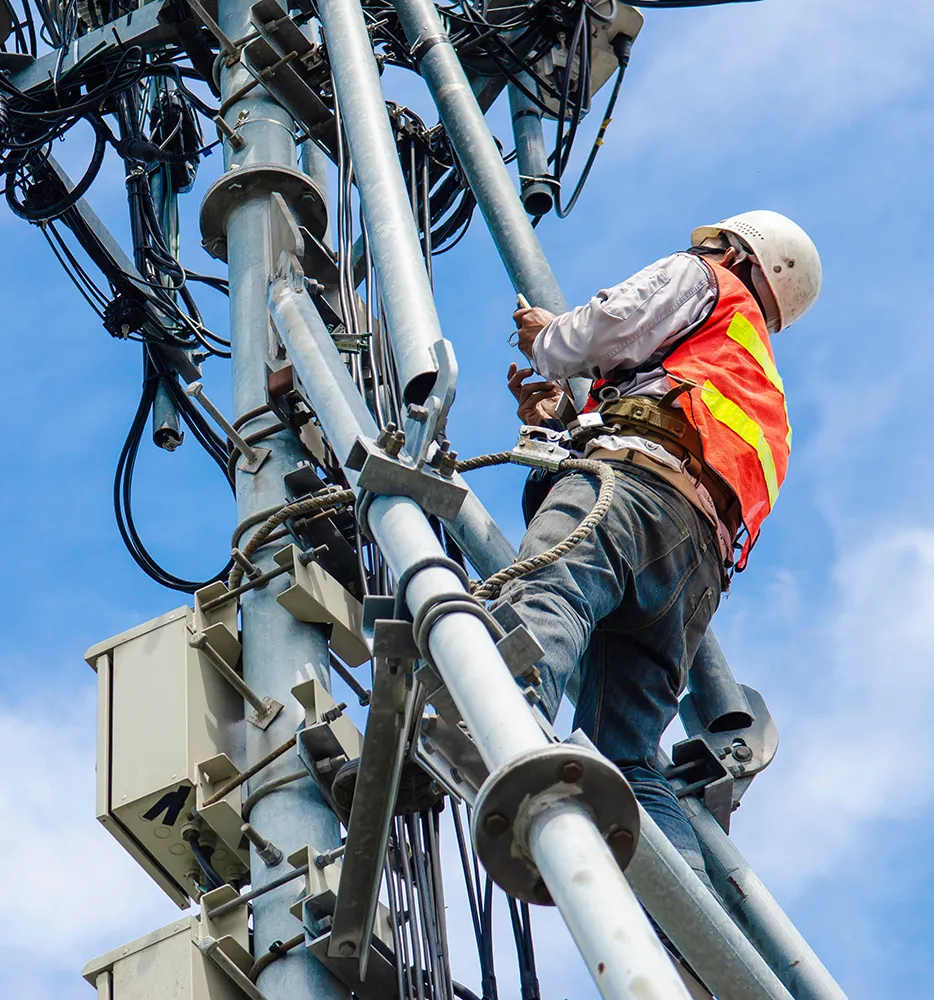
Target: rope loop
x,y
493,585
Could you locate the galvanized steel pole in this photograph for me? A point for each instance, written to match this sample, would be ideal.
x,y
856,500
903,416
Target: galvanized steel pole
x,y
622,952
525,261
276,648
755,910
684,908
406,292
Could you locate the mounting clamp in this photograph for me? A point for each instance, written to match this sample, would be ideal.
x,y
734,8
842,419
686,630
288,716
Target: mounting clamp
x,y
385,475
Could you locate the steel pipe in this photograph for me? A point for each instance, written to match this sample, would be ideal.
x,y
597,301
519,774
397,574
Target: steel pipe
x,y
512,232
696,923
721,703
403,281
278,650
538,197
489,700
479,155
480,537
757,913
622,952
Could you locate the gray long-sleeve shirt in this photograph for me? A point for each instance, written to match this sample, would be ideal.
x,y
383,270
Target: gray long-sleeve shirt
x,y
625,326
624,329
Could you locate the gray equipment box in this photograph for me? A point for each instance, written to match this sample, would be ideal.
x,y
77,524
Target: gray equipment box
x,y
170,730
165,965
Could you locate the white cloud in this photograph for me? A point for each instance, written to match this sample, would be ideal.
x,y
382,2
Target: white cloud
x,y
859,687
789,69
70,892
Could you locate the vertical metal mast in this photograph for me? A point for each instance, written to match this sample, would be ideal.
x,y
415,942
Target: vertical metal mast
x,y
278,651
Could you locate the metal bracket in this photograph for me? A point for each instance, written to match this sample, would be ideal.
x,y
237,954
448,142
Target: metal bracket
x,y
540,448
744,751
519,649
325,735
448,753
292,84
283,78
384,475
315,596
383,633
374,801
426,422
705,775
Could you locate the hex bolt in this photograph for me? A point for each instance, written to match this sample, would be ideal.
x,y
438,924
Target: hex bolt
x,y
571,772
619,840
347,949
742,753
269,854
495,825
382,439
333,714
394,444
329,857
251,569
418,413
312,554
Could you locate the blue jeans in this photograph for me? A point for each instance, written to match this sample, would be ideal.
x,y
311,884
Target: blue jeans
x,y
631,604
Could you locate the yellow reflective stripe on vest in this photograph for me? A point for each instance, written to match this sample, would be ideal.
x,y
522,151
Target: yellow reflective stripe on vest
x,y
747,336
728,413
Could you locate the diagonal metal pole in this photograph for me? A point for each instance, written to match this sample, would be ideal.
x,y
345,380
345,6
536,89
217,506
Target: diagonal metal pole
x,y
463,119
755,910
276,647
406,292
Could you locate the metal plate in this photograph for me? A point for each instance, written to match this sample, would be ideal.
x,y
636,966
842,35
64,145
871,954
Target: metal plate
x,y
562,770
299,191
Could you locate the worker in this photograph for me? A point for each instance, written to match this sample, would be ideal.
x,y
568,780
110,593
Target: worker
x,y
692,418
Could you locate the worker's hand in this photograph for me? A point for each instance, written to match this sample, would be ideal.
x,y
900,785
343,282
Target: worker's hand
x,y
538,401
529,324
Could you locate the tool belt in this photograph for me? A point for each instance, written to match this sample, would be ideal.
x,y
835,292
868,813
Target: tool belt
x,y
658,421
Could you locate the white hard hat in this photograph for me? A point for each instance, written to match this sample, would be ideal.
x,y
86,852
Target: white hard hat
x,y
786,255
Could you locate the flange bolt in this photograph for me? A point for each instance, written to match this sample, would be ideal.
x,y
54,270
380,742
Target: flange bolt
x,y
571,772
495,825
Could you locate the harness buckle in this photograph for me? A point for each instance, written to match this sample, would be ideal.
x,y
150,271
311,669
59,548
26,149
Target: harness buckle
x,y
540,447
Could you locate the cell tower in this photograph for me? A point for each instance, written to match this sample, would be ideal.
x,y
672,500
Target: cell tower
x,y
226,768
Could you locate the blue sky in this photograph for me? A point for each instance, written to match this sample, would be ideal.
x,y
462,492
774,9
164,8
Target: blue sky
x,y
824,112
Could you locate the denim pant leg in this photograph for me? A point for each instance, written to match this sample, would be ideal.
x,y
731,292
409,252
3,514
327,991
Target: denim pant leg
x,y
626,702
650,575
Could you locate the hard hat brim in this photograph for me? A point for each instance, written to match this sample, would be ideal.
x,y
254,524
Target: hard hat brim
x,y
704,233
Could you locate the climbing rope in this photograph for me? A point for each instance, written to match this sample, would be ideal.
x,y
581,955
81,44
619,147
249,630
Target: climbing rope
x,y
492,586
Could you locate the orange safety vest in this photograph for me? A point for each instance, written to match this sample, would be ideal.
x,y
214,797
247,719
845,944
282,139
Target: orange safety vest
x,y
736,401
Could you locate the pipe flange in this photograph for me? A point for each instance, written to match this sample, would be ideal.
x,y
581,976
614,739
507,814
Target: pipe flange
x,y
299,191
512,795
